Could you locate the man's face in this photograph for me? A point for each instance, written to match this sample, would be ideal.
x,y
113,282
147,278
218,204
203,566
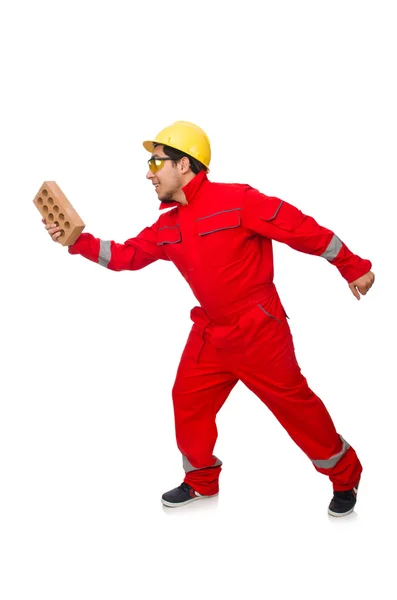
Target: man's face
x,y
167,180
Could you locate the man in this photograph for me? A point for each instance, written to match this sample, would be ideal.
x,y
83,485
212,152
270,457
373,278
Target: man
x,y
220,236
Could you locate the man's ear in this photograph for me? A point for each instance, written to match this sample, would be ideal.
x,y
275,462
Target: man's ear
x,y
185,164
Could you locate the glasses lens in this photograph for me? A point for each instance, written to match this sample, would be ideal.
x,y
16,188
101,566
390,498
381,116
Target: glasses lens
x,y
155,164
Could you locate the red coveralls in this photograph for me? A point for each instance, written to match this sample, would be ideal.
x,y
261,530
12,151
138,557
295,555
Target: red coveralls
x,y
221,243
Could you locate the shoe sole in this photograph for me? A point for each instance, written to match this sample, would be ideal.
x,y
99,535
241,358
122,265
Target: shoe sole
x,y
334,514
176,504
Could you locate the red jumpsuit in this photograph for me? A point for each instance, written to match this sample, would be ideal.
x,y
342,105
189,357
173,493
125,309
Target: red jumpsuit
x,y
221,243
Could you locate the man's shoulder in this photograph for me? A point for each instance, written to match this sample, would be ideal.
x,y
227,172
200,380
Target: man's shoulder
x,y
228,192
228,187
238,188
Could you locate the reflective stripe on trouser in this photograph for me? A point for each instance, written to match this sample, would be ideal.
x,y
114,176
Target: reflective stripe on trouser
x,y
267,365
329,463
188,467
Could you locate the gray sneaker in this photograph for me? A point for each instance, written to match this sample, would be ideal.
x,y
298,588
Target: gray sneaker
x,y
182,495
343,503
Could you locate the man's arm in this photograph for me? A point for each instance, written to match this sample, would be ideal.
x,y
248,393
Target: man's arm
x,y
134,254
280,221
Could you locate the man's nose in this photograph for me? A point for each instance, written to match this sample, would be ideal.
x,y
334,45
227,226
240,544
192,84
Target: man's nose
x,y
149,174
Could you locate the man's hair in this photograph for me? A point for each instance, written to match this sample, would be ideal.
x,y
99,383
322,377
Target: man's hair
x,y
195,165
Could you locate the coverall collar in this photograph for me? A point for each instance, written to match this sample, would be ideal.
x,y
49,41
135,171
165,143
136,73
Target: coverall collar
x,y
190,190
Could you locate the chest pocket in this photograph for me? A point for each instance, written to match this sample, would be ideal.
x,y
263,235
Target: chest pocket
x,y
169,238
219,237
169,235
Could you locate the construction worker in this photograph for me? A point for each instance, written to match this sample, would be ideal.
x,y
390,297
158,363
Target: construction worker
x,y
220,236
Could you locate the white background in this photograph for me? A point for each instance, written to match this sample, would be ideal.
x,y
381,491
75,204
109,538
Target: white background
x,y
299,100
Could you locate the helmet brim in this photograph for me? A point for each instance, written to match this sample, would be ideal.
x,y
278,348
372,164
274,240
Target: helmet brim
x,y
149,146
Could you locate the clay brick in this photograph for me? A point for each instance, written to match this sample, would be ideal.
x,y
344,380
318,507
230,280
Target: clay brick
x,y
53,205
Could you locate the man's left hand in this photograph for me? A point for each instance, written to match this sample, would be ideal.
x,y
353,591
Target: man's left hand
x,y
362,284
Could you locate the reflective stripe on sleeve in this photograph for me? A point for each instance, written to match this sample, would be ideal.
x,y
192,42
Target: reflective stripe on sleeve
x,y
331,462
104,253
333,248
188,467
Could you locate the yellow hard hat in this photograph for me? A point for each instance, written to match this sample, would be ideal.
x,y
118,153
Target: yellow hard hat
x,y
186,137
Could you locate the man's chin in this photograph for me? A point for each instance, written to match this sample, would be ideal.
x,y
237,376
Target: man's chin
x,y
166,198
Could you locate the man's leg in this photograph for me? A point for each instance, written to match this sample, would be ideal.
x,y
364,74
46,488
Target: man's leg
x,y
200,389
271,371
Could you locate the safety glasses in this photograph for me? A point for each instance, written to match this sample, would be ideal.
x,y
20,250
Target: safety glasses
x,y
155,164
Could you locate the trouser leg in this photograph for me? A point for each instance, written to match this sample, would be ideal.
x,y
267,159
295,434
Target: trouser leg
x,y
200,389
273,374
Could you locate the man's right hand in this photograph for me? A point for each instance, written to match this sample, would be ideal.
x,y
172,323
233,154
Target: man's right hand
x,y
53,230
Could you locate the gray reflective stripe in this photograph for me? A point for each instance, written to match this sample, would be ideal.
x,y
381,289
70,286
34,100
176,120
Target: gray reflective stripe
x,y
217,213
220,228
104,253
275,214
187,466
268,314
333,248
331,462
